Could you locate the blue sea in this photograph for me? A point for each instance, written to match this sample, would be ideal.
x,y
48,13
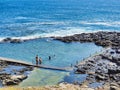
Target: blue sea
x,y
44,18
31,19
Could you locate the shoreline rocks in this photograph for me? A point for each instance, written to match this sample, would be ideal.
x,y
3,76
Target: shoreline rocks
x,y
15,75
104,39
12,40
102,68
101,38
13,79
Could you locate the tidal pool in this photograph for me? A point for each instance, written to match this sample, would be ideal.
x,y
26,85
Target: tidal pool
x,y
62,55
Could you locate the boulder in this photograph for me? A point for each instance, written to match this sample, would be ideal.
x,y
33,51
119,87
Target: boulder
x,y
81,70
100,77
113,71
13,80
7,39
19,77
114,86
118,51
15,41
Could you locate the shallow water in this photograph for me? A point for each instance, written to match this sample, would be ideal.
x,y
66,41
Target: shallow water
x,y
96,84
41,77
65,55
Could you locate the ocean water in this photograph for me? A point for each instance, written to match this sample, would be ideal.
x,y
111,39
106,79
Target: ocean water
x,y
27,19
30,19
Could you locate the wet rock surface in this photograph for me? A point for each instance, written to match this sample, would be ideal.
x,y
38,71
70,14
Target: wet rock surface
x,y
102,67
12,40
13,79
13,74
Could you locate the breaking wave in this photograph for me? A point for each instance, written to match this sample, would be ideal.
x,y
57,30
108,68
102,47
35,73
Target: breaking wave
x,y
60,33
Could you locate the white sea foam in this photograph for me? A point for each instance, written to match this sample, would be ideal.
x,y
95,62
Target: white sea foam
x,y
38,23
114,24
60,33
63,33
20,17
1,39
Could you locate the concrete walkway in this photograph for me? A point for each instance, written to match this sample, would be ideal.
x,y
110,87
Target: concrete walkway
x,y
14,61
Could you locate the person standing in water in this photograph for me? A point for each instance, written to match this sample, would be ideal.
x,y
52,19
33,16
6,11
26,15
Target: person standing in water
x,y
49,57
37,59
40,60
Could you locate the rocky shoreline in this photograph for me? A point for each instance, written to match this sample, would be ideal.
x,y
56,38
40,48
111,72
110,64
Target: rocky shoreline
x,y
104,67
104,39
101,38
12,73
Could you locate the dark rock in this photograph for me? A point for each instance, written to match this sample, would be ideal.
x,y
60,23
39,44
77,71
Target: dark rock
x,y
118,51
15,41
112,52
99,77
113,71
81,70
7,39
14,80
104,39
9,82
114,88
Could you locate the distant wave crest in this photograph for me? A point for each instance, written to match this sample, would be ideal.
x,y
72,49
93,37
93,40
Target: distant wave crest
x,y
114,24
